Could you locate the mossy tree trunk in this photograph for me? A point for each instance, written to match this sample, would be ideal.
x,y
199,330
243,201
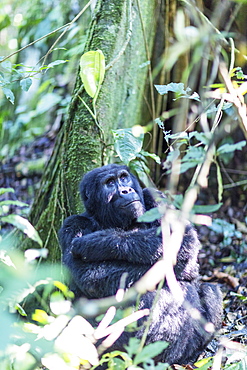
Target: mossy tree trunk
x,y
124,31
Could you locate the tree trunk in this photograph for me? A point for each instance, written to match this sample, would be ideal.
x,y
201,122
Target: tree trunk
x,y
124,36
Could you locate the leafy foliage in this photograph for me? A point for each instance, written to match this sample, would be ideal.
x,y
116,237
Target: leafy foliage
x,y
178,89
44,339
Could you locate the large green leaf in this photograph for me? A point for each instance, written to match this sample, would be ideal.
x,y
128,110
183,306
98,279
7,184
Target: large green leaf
x,y
92,71
127,145
23,225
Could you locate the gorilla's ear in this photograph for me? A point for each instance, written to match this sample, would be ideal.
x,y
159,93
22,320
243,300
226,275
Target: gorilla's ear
x,y
84,192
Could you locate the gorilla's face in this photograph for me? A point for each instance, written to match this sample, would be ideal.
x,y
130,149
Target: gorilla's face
x,y
113,197
120,194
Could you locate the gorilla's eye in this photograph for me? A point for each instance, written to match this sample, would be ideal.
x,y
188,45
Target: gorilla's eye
x,y
123,177
110,181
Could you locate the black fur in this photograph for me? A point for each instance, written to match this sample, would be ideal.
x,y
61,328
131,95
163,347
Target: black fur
x,y
106,241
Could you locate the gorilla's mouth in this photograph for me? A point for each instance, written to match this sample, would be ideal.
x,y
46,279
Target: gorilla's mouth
x,y
128,204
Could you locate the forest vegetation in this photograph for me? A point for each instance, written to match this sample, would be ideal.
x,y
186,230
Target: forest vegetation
x,y
157,85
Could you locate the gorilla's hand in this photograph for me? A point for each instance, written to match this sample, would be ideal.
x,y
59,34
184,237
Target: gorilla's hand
x,y
88,247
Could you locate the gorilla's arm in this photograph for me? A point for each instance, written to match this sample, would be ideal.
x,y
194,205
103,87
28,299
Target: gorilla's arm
x,y
136,246
141,247
94,279
75,226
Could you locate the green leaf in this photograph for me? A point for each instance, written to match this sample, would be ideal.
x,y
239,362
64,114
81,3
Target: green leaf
x,y
154,156
179,89
132,346
178,200
150,215
6,190
141,169
194,153
220,181
7,65
92,71
26,83
150,351
189,164
228,148
40,316
126,144
210,208
179,136
20,310
56,63
204,364
48,101
173,87
9,95
23,225
12,203
4,21
116,364
203,137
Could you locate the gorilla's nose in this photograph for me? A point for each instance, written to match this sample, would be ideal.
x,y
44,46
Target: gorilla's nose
x,y
125,190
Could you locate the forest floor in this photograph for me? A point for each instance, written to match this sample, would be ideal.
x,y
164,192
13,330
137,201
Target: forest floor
x,y
223,256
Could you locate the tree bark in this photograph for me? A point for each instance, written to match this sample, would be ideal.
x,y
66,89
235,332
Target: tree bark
x,y
124,32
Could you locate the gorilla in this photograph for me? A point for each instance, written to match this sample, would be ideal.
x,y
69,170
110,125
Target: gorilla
x,y
106,241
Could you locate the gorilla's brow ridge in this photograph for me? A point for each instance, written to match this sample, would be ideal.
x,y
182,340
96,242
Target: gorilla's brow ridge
x,y
113,176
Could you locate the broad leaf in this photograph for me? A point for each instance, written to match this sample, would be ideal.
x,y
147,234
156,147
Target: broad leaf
x,y
92,71
150,351
179,89
203,137
23,225
126,144
26,83
228,148
209,208
150,215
